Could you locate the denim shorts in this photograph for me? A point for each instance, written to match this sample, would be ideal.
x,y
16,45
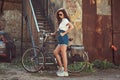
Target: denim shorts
x,y
62,40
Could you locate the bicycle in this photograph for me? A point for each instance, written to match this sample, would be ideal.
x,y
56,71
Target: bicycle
x,y
35,59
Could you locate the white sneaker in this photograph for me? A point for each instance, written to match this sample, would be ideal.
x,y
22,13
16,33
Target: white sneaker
x,y
62,74
60,70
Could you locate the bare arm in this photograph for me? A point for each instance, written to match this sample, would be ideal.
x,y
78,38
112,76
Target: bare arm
x,y
55,32
69,29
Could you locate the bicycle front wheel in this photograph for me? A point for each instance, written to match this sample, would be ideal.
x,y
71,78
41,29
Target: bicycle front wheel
x,y
77,62
32,60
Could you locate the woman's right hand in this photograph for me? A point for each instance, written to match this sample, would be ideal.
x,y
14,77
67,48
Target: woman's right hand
x,y
52,34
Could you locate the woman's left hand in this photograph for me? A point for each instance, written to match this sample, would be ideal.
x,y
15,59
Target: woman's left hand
x,y
62,34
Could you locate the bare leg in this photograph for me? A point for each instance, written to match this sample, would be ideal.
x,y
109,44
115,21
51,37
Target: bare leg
x,y
64,56
56,53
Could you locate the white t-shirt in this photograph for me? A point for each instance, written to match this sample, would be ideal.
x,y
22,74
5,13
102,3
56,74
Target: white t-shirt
x,y
63,25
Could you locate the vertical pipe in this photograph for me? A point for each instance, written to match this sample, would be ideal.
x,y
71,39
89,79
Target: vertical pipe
x,y
113,56
22,30
2,4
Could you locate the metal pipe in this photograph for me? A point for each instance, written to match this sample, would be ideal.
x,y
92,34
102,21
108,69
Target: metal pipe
x,y
36,23
113,56
21,50
2,4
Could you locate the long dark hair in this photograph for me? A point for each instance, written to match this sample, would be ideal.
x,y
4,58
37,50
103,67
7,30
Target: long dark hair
x,y
65,15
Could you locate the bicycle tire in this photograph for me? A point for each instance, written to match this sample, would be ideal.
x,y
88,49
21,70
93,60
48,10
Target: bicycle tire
x,y
31,63
78,63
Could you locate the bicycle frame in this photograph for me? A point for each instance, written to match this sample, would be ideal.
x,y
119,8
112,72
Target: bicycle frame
x,y
37,57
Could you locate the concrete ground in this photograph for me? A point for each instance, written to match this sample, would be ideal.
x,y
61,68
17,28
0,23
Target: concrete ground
x,y
10,71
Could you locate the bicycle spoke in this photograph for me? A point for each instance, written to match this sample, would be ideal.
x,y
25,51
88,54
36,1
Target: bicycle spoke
x,y
77,62
32,63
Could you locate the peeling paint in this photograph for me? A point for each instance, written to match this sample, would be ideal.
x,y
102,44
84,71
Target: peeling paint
x,y
103,7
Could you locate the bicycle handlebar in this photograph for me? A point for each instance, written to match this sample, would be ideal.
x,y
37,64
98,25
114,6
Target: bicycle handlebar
x,y
45,35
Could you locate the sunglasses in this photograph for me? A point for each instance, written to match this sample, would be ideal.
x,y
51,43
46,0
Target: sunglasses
x,y
60,14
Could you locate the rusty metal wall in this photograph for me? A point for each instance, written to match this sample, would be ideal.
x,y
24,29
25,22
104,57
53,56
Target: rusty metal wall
x,y
116,29
89,19
97,33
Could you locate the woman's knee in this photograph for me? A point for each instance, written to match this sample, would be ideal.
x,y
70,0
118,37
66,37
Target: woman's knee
x,y
55,52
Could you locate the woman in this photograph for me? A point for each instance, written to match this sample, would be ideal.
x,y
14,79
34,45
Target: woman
x,y
64,28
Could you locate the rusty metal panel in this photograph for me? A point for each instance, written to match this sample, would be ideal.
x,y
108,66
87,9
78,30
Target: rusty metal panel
x,y
89,19
116,42
97,33
104,37
116,15
116,29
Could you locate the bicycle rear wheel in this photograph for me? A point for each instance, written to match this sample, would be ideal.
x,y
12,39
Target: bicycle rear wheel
x,y
77,62
32,60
